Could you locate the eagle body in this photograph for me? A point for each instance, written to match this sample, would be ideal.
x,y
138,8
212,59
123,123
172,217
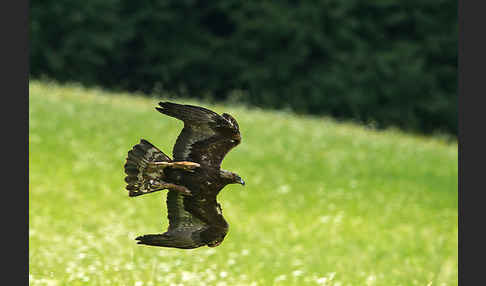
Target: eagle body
x,y
194,177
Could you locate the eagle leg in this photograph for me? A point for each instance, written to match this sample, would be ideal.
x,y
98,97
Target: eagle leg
x,y
161,185
184,165
158,185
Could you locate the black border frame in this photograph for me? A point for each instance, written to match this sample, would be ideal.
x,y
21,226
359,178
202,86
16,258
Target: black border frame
x,y
14,27
471,80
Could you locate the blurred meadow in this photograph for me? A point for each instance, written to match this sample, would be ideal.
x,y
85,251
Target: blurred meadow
x,y
325,203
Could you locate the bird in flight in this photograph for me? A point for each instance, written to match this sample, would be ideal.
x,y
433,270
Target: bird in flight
x,y
193,177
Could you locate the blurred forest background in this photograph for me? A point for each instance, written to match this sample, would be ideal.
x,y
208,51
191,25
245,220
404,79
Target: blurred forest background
x,y
383,62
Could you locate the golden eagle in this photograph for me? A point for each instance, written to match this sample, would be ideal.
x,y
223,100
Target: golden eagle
x,y
194,177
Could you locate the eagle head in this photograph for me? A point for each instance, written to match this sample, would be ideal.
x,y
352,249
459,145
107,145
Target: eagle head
x,y
238,180
231,178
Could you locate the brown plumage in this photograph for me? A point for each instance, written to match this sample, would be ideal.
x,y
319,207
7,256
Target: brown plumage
x,y
194,177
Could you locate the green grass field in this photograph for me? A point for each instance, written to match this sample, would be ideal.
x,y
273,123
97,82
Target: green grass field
x,y
325,203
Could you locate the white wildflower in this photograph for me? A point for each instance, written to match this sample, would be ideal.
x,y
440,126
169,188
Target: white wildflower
x,y
370,280
297,273
321,280
282,277
324,219
283,189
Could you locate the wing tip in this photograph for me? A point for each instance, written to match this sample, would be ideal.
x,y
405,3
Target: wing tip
x,y
168,108
168,104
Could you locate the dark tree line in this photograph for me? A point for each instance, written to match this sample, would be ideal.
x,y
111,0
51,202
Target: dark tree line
x,y
390,62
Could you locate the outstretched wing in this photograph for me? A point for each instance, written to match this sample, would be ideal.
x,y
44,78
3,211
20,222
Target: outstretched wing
x,y
184,229
206,137
179,218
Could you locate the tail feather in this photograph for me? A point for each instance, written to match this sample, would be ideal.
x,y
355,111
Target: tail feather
x,y
137,170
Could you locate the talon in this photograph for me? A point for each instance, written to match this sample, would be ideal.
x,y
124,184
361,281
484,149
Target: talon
x,y
187,193
191,164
